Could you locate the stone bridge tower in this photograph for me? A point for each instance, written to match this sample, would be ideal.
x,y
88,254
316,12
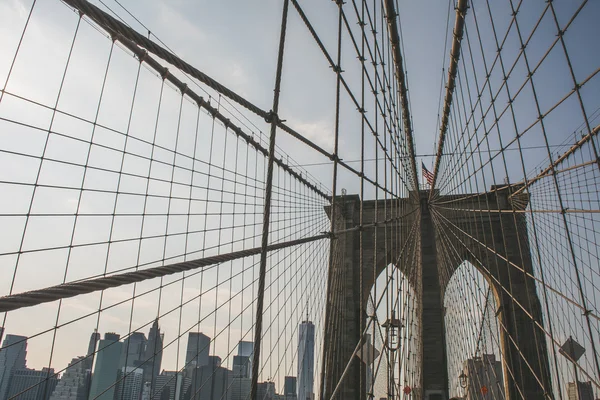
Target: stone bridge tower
x,y
495,242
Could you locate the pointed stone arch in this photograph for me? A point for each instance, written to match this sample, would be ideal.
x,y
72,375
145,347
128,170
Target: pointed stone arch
x,y
498,245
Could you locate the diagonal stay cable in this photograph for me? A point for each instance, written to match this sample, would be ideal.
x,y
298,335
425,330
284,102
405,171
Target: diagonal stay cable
x,y
402,86
461,10
120,31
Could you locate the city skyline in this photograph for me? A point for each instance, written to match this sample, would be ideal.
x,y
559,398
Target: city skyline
x,y
130,367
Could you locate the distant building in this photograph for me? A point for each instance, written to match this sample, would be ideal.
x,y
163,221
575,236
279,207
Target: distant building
x,y
129,383
246,349
31,384
585,391
208,383
306,360
93,343
241,382
198,348
153,355
12,358
241,367
107,365
75,381
240,388
133,350
484,371
170,386
265,391
290,389
214,361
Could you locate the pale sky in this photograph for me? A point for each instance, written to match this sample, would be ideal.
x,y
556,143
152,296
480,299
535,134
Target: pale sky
x,y
234,42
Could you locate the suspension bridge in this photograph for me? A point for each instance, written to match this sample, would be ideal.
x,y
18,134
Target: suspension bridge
x,y
298,200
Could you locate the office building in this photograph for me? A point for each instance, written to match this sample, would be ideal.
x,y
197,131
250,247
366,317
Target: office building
x,y
241,367
306,360
153,355
89,361
12,358
208,383
484,371
133,350
198,348
586,391
31,384
246,349
170,386
214,361
241,382
129,383
240,388
107,365
290,388
265,391
75,381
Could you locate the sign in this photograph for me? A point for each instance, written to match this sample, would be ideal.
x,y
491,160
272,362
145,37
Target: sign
x,y
572,350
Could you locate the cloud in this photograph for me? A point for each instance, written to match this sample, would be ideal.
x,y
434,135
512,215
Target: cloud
x,y
320,132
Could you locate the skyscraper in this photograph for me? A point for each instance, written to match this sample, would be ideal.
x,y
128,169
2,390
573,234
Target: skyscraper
x,y
306,360
89,361
484,371
153,355
12,358
585,391
75,381
240,386
129,383
133,350
289,388
241,367
31,384
246,349
198,347
170,385
107,365
265,391
209,383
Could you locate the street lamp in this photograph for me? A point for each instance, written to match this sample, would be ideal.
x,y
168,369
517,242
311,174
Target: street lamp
x,y
392,329
463,380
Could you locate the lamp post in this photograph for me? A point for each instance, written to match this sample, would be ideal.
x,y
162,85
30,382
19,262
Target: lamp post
x,y
392,343
392,332
463,380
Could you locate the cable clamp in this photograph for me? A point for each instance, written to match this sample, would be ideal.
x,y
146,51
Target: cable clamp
x,y
143,55
329,234
164,73
587,313
272,116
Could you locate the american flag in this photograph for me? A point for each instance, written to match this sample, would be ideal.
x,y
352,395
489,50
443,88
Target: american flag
x,y
428,175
